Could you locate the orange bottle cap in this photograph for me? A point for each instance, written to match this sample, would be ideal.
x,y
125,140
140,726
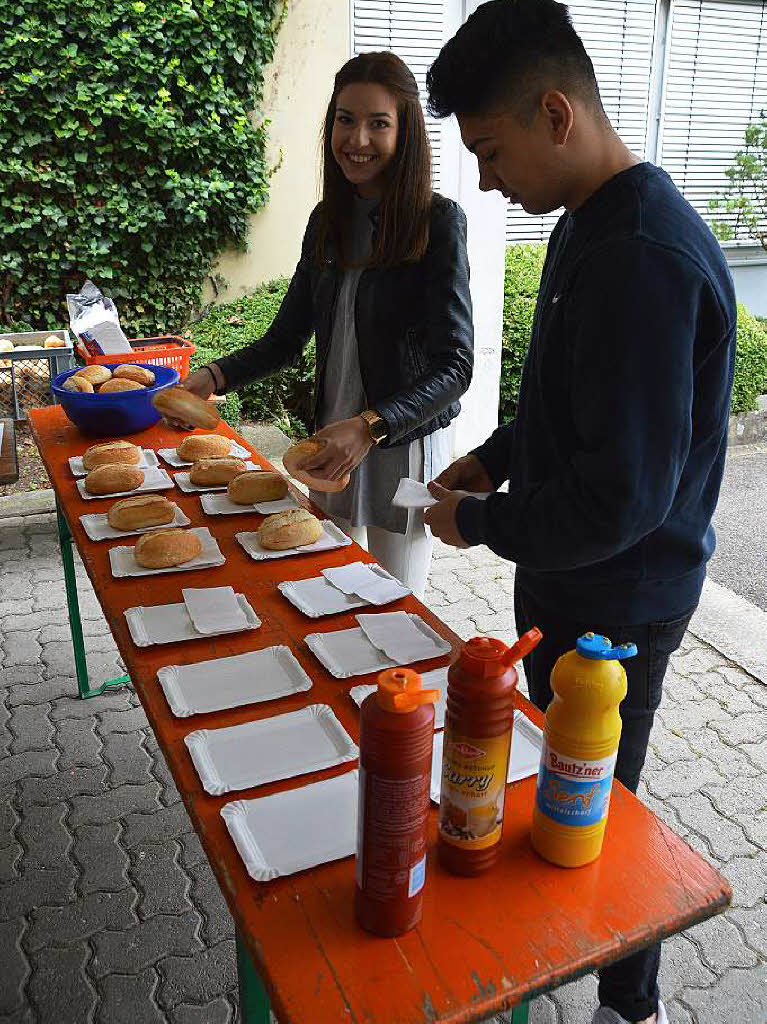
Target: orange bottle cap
x,y
484,656
399,690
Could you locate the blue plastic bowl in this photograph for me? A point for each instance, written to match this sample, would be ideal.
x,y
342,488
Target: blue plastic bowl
x,y
116,414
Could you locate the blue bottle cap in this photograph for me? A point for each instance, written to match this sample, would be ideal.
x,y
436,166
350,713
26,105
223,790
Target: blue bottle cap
x,y
599,648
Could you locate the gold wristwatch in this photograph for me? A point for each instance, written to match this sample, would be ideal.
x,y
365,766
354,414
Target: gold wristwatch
x,y
376,425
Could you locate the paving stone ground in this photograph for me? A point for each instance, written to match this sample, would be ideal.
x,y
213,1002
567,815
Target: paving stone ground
x,y
109,911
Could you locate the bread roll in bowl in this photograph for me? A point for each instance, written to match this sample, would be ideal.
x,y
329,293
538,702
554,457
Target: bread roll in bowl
x,y
141,512
95,374
165,548
291,529
79,384
112,453
117,384
252,486
179,404
298,454
204,446
128,371
216,472
112,479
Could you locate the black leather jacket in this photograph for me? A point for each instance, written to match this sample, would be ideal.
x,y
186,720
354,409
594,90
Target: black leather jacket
x,y
414,329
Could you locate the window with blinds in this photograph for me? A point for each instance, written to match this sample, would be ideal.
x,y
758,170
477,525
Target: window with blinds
x,y
414,30
716,84
618,36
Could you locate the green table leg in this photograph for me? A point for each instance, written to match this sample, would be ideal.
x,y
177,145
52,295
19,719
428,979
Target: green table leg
x,y
75,624
254,1002
520,1014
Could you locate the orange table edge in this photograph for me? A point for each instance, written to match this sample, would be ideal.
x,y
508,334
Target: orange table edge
x,y
484,945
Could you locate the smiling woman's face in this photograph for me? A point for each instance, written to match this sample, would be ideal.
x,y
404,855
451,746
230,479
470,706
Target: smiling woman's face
x,y
364,139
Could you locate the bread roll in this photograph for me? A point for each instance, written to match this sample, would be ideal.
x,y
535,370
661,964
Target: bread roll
x,y
113,479
6,346
164,548
95,374
253,486
79,384
215,472
112,453
292,529
117,384
179,404
129,371
300,453
140,512
203,446
52,341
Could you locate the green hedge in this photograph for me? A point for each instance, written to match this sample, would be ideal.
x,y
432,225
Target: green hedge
x,y
285,398
750,362
127,150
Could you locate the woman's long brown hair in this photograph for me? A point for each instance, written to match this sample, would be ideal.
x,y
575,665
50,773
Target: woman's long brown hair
x,y
403,215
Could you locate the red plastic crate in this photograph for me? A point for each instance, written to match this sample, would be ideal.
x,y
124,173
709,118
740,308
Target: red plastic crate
x,y
169,350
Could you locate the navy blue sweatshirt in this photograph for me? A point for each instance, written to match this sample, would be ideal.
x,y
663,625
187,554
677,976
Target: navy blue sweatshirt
x,y
616,454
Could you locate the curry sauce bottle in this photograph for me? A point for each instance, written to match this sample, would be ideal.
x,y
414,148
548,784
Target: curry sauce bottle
x,y
396,739
580,746
475,753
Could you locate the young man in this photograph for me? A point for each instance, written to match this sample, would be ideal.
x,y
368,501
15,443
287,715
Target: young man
x,y
616,454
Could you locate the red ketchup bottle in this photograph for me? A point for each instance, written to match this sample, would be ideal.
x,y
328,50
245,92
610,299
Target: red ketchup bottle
x,y
396,738
475,752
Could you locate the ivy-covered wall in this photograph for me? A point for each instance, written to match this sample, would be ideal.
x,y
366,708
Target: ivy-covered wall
x,y
128,152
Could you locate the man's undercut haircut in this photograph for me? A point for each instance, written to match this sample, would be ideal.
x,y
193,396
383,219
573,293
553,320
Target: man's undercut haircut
x,y
506,56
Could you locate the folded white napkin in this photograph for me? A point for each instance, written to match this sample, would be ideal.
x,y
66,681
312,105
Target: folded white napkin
x,y
399,637
214,609
371,584
414,494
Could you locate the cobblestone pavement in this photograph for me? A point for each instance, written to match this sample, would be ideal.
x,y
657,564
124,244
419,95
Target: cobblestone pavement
x,y
109,911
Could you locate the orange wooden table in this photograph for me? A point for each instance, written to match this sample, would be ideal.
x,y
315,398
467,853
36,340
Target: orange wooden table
x,y
484,945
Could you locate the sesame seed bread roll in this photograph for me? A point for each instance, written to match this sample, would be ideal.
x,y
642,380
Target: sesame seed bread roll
x,y
166,548
253,486
141,512
291,529
204,446
215,472
112,453
113,479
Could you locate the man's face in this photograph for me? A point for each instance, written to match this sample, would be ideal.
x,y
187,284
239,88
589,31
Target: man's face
x,y
524,162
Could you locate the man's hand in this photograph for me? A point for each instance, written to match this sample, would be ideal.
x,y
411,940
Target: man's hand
x,y
347,442
200,383
441,517
466,474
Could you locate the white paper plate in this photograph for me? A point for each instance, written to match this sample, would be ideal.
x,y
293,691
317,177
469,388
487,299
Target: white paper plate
x,y
170,623
186,485
315,597
526,742
331,538
231,682
170,455
282,747
349,652
97,526
295,830
434,680
221,505
154,480
147,460
124,564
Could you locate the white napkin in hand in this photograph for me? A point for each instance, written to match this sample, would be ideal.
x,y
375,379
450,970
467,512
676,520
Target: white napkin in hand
x,y
214,610
414,494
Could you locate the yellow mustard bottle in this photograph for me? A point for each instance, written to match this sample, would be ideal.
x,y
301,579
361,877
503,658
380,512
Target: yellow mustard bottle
x,y
580,746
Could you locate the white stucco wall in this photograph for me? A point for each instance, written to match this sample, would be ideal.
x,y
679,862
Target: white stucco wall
x,y
749,270
313,43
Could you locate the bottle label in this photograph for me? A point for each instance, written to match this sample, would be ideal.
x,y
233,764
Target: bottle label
x,y
574,791
473,789
417,877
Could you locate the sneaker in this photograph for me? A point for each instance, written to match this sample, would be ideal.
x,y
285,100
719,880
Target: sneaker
x,y
606,1015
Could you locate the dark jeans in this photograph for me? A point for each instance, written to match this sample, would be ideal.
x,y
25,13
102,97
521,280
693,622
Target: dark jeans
x,y
629,986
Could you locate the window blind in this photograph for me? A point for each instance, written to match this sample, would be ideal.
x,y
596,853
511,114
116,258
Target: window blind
x,y
414,30
716,84
618,36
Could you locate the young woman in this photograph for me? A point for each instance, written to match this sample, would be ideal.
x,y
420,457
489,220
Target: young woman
x,y
383,284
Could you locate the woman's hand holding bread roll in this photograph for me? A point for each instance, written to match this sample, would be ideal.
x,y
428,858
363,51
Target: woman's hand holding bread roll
x,y
165,548
294,528
141,512
182,407
113,479
305,451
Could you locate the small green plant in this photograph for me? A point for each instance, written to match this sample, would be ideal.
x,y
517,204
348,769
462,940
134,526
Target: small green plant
x,y
286,397
745,199
750,362
524,264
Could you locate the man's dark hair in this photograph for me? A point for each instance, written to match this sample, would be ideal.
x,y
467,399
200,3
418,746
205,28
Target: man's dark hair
x,y
506,56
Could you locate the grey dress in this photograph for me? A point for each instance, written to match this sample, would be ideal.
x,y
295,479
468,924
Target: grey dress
x,y
367,499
